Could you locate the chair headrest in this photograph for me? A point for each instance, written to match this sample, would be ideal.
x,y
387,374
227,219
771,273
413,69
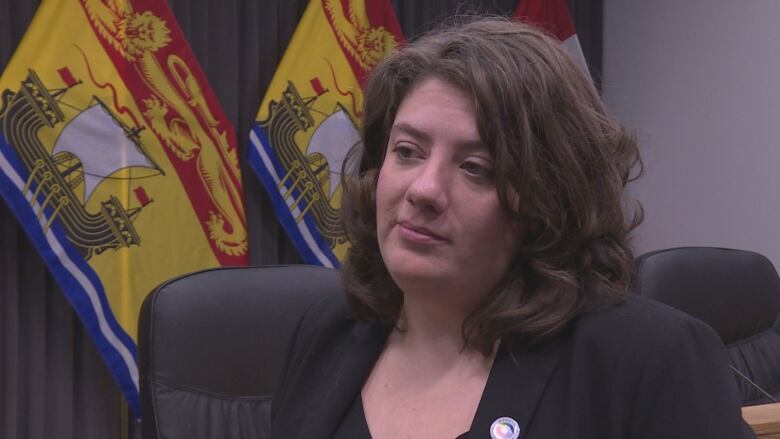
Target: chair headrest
x,y
736,292
233,318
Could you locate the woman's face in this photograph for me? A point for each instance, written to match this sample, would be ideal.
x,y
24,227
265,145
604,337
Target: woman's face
x,y
440,225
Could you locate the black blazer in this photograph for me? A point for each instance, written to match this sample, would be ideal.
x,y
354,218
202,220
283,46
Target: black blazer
x,y
636,370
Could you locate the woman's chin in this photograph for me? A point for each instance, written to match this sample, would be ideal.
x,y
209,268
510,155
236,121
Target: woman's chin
x,y
412,274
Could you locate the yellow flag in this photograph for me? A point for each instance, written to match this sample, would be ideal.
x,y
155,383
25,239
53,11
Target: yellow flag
x,y
309,118
118,161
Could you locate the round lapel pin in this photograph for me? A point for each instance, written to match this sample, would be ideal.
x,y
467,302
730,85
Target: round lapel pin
x,y
504,428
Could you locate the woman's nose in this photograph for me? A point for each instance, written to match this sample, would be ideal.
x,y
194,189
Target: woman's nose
x,y
428,188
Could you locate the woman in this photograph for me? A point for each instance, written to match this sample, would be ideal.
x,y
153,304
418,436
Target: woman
x,y
486,282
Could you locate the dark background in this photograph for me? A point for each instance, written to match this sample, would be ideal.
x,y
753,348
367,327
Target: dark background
x,y
52,380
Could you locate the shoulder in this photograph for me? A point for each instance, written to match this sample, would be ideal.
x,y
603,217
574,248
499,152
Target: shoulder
x,y
669,370
330,311
324,323
327,328
643,324
647,342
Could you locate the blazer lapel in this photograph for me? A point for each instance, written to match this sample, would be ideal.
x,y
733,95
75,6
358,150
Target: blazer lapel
x,y
516,383
343,378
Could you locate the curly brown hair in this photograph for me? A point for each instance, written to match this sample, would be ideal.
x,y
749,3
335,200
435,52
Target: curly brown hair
x,y
553,144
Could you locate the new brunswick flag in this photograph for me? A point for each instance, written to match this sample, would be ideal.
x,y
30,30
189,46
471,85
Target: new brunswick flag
x,y
117,161
309,118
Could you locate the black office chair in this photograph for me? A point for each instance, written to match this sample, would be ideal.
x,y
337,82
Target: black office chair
x,y
736,292
211,347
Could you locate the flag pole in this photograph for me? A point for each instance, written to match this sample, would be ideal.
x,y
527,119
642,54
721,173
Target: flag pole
x,y
124,418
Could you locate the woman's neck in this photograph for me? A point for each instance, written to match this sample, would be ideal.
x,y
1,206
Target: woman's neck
x,y
432,325
425,379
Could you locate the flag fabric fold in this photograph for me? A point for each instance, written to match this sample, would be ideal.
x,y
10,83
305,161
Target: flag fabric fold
x,y
118,162
310,116
553,16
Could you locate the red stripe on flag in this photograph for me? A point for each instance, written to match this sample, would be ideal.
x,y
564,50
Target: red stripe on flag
x,y
552,15
134,78
141,195
67,77
317,86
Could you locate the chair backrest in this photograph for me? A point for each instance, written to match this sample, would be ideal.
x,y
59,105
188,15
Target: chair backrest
x,y
211,347
736,292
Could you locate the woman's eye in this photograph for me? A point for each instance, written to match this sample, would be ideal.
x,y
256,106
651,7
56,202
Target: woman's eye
x,y
404,152
478,170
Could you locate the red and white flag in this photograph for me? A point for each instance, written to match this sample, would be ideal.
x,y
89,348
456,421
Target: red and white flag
x,y
553,15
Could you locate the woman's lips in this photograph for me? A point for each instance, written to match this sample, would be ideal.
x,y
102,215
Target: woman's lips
x,y
418,234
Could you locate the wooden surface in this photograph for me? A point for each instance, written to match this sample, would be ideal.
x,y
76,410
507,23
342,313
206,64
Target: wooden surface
x,y
765,420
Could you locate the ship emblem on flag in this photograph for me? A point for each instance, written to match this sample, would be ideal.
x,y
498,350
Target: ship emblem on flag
x,y
65,177
309,118
118,162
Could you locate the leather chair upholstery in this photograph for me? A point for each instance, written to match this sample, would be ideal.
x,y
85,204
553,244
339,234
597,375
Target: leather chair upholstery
x,y
736,292
212,346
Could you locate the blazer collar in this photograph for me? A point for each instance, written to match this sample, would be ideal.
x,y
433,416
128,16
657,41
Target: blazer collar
x,y
350,365
516,383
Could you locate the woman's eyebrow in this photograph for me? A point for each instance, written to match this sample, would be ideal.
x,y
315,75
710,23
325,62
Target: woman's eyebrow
x,y
418,134
405,128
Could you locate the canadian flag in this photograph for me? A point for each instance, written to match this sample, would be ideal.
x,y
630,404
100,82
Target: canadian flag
x,y
553,15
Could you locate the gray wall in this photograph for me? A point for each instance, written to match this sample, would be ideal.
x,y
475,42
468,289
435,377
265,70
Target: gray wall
x,y
699,81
